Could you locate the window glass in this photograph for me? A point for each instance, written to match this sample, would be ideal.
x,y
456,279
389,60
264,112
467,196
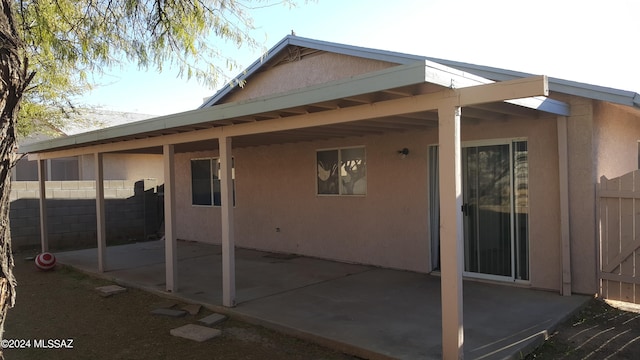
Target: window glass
x,y
201,182
342,171
353,171
327,162
205,182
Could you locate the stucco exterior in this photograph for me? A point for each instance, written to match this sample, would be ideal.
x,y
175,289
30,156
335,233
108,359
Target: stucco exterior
x,y
277,208
296,72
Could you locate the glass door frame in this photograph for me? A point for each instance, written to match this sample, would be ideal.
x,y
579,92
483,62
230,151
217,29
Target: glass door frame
x,y
434,213
492,142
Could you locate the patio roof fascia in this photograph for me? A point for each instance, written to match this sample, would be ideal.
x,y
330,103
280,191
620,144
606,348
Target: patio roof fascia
x,y
398,76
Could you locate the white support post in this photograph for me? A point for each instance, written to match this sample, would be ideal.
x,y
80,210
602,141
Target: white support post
x,y
228,250
451,233
170,240
565,230
44,231
100,214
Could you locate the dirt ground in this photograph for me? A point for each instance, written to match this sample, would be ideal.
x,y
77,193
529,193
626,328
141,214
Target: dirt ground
x,y
600,331
63,304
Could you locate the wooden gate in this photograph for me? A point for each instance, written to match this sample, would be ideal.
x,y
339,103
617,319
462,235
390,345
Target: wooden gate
x,y
619,227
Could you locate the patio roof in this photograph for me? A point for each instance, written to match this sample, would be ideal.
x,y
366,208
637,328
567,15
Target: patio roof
x,y
405,82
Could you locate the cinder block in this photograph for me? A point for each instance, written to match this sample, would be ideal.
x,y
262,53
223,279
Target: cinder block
x,y
114,184
61,194
27,194
84,184
22,204
124,193
18,185
195,332
69,185
76,194
32,185
53,185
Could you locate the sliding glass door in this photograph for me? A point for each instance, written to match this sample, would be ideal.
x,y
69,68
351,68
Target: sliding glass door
x,y
495,209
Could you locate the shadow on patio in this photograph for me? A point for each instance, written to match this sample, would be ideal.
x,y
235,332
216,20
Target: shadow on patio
x,y
367,311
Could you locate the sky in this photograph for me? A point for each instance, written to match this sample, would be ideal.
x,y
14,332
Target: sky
x,y
585,40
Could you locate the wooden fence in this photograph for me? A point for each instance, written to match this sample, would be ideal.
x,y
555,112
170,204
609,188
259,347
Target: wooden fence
x,y
619,225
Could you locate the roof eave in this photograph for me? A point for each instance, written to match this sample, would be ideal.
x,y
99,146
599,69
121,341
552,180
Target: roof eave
x,y
397,76
596,92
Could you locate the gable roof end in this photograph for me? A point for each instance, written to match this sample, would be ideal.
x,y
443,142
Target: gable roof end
x,y
374,54
616,96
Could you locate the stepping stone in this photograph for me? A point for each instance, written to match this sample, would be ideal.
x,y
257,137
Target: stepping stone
x,y
195,332
109,290
169,312
212,319
192,309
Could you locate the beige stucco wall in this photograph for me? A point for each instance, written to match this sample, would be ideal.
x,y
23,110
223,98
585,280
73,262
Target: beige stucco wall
x,y
617,132
602,140
315,69
390,225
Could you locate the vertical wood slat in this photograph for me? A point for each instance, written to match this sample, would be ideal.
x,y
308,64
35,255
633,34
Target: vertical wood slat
x,y
602,236
626,235
619,214
613,236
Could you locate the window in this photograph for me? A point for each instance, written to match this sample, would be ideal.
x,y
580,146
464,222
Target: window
x,y
205,182
342,171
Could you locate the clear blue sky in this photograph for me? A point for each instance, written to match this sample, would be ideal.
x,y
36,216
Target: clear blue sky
x,y
583,40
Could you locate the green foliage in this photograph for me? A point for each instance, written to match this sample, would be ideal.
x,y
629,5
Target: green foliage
x,y
68,40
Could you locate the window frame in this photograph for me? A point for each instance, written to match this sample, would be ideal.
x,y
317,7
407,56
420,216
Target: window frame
x,y
214,177
341,191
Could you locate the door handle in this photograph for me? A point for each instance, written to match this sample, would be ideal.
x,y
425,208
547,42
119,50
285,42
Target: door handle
x,y
465,209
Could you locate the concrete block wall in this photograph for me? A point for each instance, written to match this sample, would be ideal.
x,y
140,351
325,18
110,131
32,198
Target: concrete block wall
x,y
131,212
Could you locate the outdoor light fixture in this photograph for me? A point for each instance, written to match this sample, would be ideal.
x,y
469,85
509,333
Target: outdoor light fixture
x,y
403,153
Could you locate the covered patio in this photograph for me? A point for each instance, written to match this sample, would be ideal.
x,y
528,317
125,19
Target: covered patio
x,y
416,96
366,311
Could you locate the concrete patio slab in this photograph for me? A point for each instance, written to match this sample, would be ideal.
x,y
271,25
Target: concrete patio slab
x,y
367,311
